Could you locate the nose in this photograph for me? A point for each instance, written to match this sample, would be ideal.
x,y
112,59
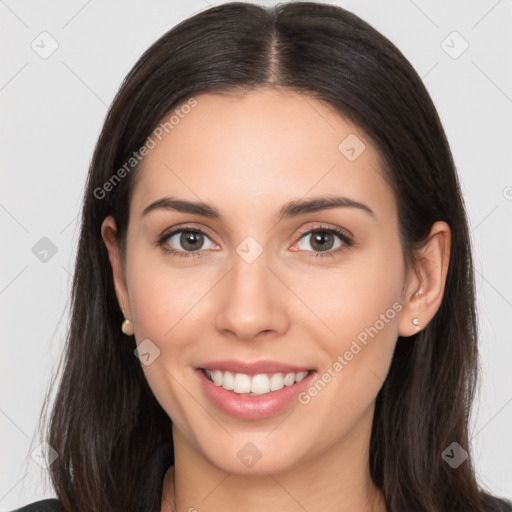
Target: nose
x,y
251,300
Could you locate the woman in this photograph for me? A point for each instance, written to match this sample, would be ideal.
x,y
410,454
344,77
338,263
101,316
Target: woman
x,y
319,350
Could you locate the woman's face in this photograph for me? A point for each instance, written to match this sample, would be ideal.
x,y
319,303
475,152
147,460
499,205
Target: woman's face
x,y
257,286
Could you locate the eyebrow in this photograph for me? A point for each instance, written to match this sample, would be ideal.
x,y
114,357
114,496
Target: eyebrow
x,y
290,209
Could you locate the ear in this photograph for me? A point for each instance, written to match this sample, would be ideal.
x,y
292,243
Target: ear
x,y
109,235
426,282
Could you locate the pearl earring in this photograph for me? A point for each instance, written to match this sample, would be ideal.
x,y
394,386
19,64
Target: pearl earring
x,y
416,322
127,327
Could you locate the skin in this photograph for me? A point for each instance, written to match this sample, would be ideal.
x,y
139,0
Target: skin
x,y
248,155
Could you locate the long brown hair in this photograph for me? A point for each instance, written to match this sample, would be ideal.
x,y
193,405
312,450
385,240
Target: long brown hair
x,y
105,422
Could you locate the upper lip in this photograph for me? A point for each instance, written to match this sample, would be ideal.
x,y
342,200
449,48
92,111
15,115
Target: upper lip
x,y
254,368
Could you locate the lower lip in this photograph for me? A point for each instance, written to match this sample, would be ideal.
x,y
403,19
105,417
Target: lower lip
x,y
253,407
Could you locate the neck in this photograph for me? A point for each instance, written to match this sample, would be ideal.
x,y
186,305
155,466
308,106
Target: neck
x,y
336,480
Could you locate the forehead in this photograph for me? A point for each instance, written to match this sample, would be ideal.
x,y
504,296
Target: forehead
x,y
257,148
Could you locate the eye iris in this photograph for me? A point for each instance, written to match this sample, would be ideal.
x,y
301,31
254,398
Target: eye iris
x,y
191,237
319,237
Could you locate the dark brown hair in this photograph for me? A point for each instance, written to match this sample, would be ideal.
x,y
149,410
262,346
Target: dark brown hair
x,y
106,422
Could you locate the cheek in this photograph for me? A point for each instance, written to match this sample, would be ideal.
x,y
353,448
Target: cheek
x,y
163,298
359,307
166,308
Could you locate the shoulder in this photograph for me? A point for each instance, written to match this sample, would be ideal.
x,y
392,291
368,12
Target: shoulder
x,y
48,505
494,504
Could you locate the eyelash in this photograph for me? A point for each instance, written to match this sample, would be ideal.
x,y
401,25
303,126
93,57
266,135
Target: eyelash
x,y
348,242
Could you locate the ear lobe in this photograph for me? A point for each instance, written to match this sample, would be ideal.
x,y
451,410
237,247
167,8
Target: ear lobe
x,y
427,282
109,235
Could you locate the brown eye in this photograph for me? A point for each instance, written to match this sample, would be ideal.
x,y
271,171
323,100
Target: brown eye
x,y
184,242
191,240
321,240
325,240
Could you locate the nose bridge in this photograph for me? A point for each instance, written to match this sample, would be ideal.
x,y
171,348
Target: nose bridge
x,y
249,282
250,300
250,263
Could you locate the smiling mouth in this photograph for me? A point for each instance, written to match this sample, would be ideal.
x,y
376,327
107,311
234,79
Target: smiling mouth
x,y
260,384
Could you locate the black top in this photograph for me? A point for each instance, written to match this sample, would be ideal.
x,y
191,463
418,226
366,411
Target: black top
x,y
153,481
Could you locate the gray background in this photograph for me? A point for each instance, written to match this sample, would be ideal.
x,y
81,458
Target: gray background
x,y
52,111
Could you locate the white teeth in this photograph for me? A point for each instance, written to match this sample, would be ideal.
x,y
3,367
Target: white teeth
x,y
300,376
276,382
289,379
242,383
228,381
260,384
217,377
